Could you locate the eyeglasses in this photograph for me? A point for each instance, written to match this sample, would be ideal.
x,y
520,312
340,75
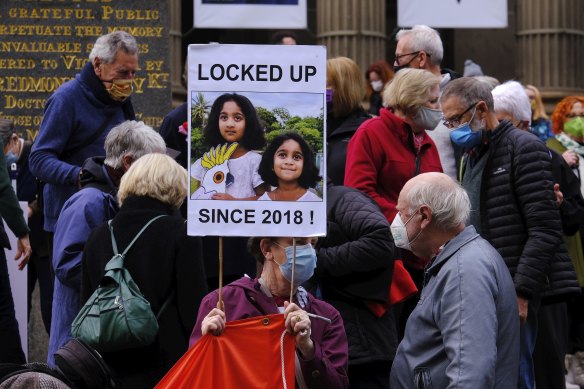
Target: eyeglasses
x,y
397,57
455,121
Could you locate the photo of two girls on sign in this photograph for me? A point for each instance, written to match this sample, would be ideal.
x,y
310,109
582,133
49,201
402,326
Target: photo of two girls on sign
x,y
231,138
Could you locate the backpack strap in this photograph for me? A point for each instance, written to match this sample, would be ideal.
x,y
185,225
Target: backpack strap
x,y
114,244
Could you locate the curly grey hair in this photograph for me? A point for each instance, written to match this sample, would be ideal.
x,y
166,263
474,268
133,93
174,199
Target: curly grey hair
x,y
131,138
106,46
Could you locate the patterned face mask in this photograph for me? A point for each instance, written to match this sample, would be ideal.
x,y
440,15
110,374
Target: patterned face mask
x,y
120,89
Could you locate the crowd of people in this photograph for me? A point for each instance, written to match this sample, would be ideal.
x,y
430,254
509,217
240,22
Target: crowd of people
x,y
453,255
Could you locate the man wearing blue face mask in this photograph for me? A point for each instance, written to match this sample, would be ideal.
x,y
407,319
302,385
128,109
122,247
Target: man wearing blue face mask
x,y
508,176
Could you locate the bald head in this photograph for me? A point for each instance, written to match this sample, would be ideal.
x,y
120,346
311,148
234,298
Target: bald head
x,y
447,200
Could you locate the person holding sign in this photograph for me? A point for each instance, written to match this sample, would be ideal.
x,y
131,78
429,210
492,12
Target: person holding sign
x,y
229,173
288,164
321,343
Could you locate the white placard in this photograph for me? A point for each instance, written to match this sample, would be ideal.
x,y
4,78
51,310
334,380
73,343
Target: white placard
x,y
18,284
453,13
278,14
285,85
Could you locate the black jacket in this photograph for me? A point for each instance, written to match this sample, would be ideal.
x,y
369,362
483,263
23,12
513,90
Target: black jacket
x,y
339,132
563,281
163,261
355,266
93,175
518,210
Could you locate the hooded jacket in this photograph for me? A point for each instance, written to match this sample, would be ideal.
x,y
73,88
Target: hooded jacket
x,y
85,210
244,298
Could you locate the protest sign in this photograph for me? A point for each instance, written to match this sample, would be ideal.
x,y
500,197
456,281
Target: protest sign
x,y
250,14
256,124
453,14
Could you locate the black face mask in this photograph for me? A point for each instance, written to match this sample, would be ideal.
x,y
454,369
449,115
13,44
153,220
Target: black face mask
x,y
397,68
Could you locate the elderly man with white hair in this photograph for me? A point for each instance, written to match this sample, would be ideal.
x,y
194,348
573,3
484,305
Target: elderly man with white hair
x,y
464,332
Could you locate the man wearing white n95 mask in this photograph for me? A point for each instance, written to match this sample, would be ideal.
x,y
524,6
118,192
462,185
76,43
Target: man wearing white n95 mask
x,y
464,332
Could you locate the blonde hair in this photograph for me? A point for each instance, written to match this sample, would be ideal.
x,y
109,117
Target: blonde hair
x,y
344,77
539,111
157,176
409,90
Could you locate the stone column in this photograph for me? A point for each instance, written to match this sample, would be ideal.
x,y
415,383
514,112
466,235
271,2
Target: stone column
x,y
179,93
550,35
353,28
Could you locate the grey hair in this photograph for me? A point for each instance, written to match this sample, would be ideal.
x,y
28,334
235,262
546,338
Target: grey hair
x,y
424,38
131,138
448,201
6,130
510,97
491,81
469,91
106,46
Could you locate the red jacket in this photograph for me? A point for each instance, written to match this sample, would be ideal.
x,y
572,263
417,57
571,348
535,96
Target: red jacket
x,y
381,158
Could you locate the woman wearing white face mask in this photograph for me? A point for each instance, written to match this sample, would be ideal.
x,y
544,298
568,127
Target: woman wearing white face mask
x,y
321,343
388,150
377,75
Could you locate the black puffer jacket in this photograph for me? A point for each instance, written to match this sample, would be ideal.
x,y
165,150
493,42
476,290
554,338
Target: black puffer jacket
x,y
519,214
355,266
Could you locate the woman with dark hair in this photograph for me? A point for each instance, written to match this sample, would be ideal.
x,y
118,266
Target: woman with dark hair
x,y
321,343
234,120
288,164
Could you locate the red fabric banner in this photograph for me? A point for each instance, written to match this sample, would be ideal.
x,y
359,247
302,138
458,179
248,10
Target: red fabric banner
x,y
247,355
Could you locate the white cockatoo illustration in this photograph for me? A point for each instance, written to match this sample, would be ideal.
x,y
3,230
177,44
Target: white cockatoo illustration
x,y
217,175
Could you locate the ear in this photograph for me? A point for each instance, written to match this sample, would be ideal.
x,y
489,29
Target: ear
x,y
423,59
266,248
426,213
127,161
482,107
97,66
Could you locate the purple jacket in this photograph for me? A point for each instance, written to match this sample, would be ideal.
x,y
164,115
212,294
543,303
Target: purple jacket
x,y
243,298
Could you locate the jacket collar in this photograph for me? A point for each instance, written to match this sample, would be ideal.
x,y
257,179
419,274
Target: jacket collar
x,y
451,247
499,132
88,77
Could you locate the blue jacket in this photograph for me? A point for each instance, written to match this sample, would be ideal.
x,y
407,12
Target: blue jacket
x,y
464,331
76,110
84,211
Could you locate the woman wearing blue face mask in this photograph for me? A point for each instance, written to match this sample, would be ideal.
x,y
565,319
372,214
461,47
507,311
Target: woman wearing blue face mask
x,y
321,343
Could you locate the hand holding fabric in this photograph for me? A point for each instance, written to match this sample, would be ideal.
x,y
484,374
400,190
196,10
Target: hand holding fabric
x,y
298,324
213,323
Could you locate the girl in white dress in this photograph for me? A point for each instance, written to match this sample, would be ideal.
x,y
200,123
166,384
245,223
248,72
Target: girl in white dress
x,y
233,119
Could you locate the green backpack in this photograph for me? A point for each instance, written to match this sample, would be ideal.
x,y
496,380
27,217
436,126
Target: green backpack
x,y
117,316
